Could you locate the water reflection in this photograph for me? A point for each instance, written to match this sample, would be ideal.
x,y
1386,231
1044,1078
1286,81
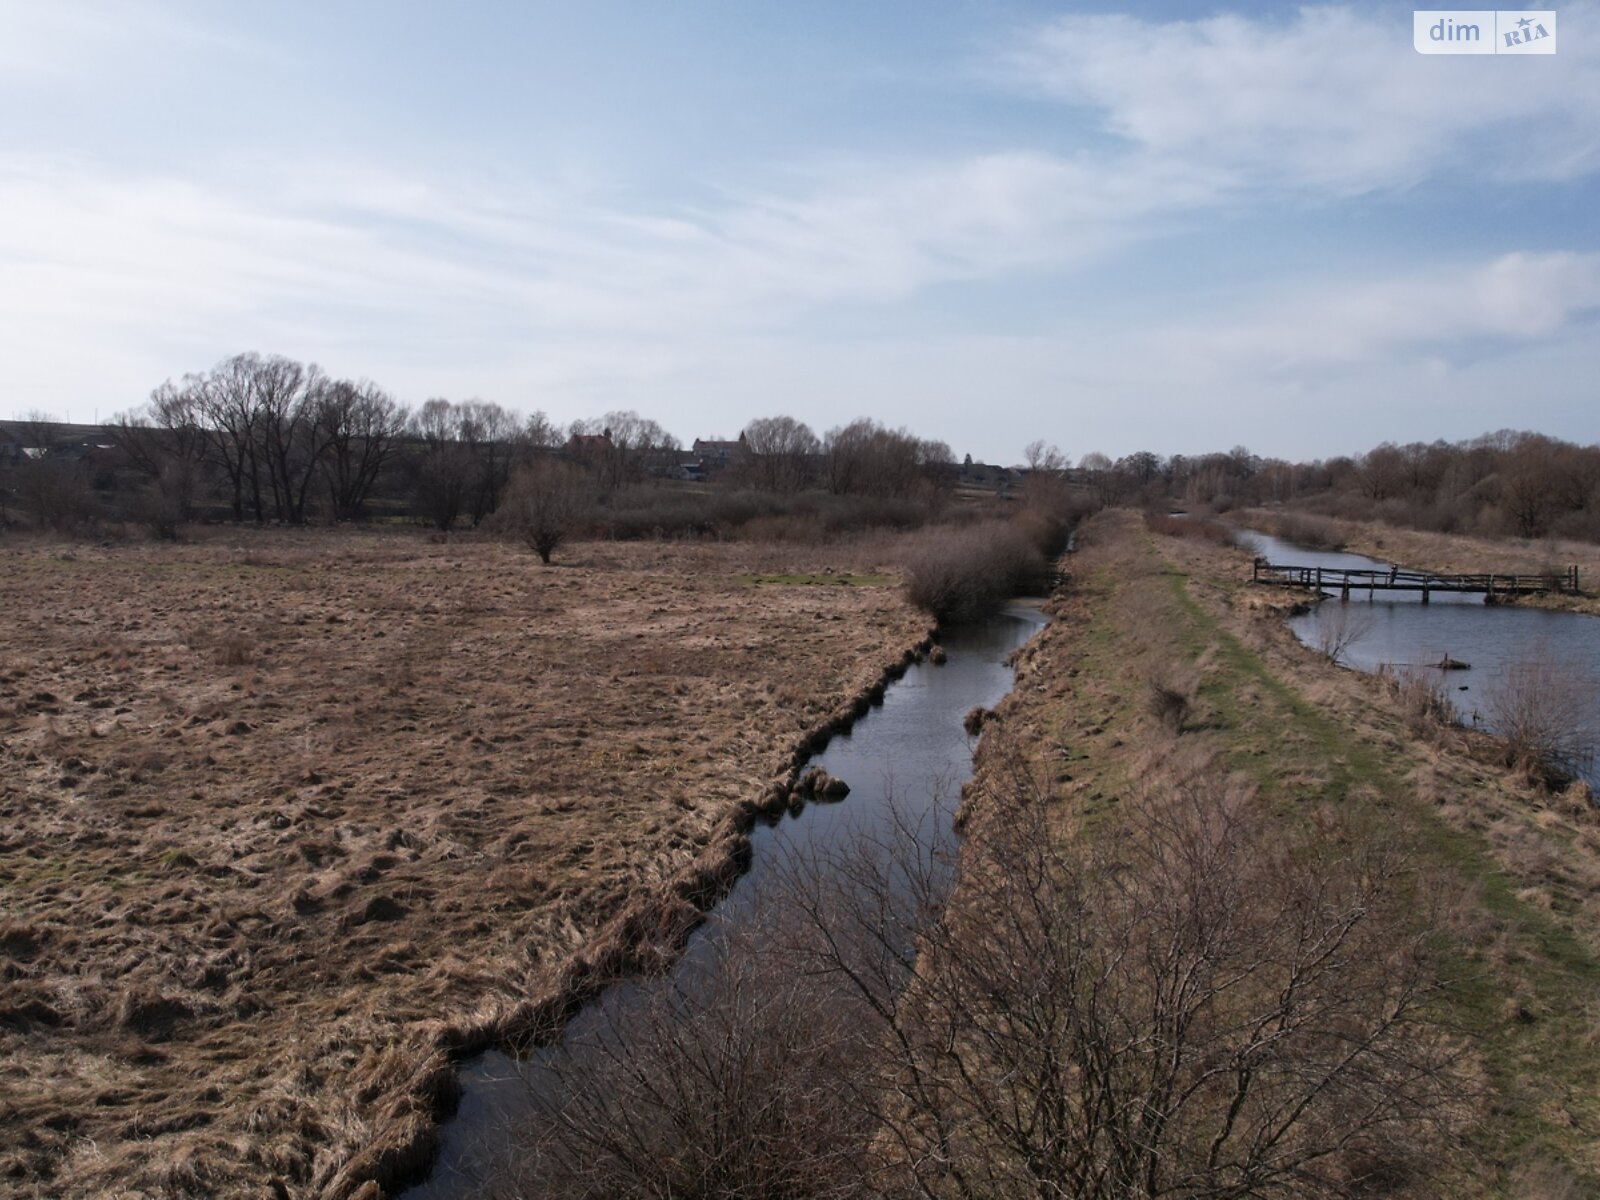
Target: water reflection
x,y
1399,630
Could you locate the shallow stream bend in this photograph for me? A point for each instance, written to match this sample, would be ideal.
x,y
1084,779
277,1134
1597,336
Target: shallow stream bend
x,y
904,759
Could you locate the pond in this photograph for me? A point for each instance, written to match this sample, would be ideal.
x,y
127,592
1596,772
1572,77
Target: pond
x,y
1396,629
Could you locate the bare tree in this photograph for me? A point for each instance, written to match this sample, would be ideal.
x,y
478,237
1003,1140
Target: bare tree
x,y
167,443
56,492
490,433
444,472
538,433
865,458
728,1080
779,453
232,417
360,428
545,501
619,443
1042,457
289,398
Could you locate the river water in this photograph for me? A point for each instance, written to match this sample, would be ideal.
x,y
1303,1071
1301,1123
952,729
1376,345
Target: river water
x,y
1397,629
905,762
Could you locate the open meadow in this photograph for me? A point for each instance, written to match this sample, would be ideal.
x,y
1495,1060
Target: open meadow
x,y
286,820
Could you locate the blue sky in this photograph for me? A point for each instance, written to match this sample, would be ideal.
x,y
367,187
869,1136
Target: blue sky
x,y
1175,227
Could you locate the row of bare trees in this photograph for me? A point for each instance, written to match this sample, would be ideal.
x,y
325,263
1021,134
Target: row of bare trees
x,y
266,430
862,458
1513,483
1196,1001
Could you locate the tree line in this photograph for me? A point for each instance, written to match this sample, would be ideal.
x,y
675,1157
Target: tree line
x,y
1508,483
266,439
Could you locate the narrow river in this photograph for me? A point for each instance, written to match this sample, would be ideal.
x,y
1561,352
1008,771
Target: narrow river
x,y
1399,630
905,759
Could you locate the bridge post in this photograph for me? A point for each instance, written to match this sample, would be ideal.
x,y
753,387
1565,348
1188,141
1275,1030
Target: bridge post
x,y
1344,592
1319,581
1424,593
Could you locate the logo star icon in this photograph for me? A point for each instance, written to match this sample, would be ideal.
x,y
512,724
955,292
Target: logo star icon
x,y
1524,23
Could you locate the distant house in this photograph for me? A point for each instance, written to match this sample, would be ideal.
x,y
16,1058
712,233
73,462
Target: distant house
x,y
717,455
672,464
10,451
991,478
589,447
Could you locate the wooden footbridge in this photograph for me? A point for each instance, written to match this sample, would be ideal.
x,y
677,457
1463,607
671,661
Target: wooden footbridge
x,y
1345,580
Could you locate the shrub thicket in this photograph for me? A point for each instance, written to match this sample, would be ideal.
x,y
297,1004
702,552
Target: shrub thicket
x,y
961,575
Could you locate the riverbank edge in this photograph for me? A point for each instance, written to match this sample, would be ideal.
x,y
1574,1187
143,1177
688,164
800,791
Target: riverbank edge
x,y
647,935
1073,715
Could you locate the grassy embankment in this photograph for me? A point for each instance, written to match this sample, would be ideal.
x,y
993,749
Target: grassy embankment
x,y
1519,869
1446,553
287,821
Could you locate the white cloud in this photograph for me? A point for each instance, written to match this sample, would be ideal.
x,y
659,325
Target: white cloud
x,y
73,37
553,292
1461,311
1324,98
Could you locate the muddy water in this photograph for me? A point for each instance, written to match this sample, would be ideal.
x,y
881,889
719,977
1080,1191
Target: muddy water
x,y
1404,632
905,760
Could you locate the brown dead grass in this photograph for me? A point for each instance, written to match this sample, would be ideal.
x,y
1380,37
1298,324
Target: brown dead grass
x,y
284,823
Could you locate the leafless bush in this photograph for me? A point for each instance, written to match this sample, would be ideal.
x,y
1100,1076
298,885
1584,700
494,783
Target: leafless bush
x,y
1199,528
961,575
1339,627
1315,533
732,1080
55,492
1195,1003
544,503
1544,708
1422,699
1170,700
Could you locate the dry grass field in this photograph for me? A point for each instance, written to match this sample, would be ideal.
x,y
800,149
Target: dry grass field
x,y
284,819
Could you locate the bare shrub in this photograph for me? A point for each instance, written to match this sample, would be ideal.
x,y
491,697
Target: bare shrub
x,y
544,503
1304,529
960,575
1197,528
1338,628
56,493
733,1080
1544,708
1170,700
1193,1003
1422,699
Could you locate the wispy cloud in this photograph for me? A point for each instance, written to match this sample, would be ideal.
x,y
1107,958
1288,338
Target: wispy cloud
x,y
1325,98
1463,312
568,294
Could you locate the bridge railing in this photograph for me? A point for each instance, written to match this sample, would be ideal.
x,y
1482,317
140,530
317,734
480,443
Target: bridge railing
x,y
1399,579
